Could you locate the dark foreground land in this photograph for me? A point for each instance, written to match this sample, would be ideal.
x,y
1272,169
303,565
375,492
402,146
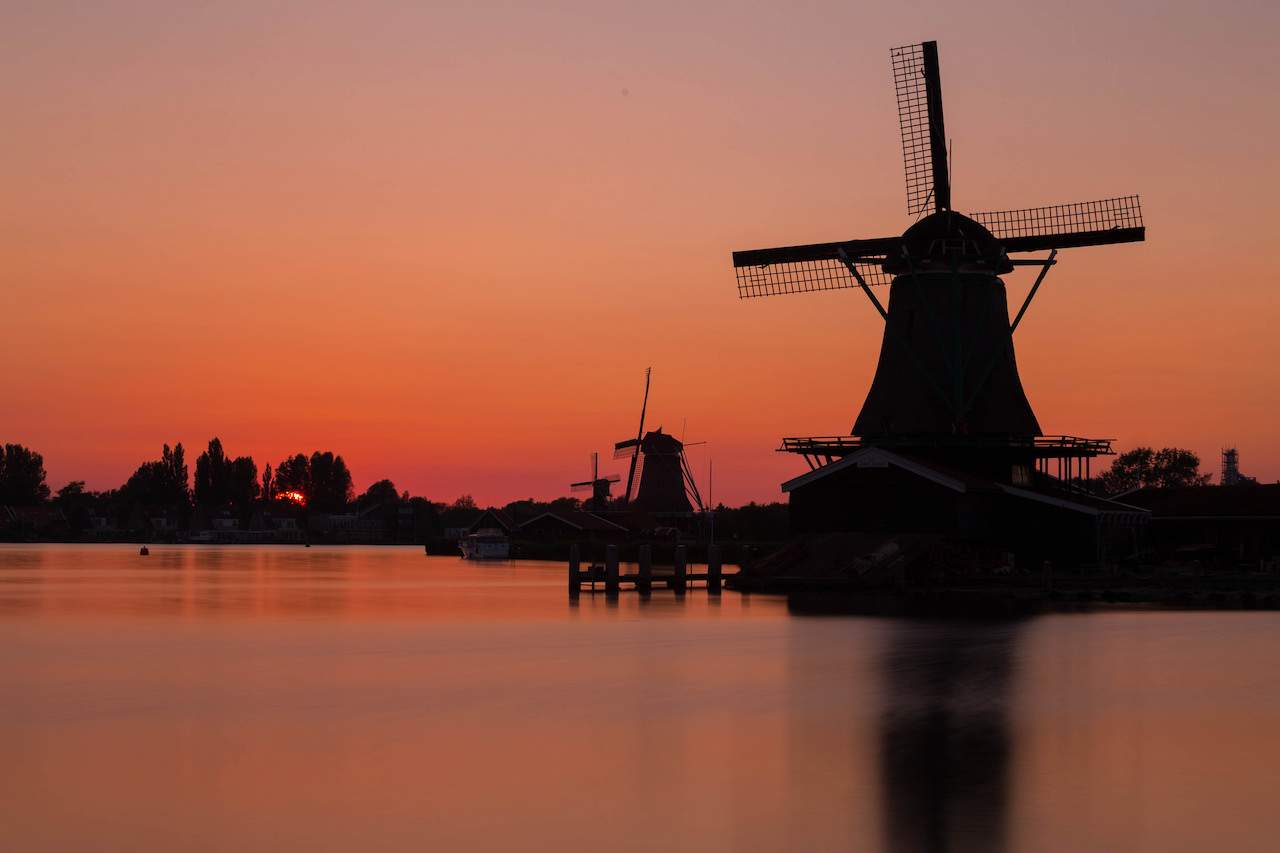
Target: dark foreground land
x,y
933,576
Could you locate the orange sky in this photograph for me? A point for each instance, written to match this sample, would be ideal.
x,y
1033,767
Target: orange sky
x,y
445,240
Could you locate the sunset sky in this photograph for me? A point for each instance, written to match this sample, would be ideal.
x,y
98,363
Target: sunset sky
x,y
445,239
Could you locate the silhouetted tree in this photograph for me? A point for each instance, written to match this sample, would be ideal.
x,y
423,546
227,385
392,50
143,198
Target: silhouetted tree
x,y
1169,467
74,502
565,503
294,475
211,484
331,488
322,479
268,484
22,476
160,483
426,518
242,481
753,522
220,480
523,510
71,491
382,493
460,513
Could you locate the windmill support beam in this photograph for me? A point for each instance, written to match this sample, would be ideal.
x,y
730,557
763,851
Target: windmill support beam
x,y
862,283
1026,303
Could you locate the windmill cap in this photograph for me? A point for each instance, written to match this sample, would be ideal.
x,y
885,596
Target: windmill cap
x,y
657,441
947,238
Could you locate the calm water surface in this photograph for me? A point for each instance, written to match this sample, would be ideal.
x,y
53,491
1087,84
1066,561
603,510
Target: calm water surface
x,y
289,699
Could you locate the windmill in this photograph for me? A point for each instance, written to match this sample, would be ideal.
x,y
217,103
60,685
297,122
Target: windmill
x,y
946,375
666,483
597,485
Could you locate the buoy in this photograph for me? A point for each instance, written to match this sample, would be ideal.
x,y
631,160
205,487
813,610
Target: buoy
x,y
143,551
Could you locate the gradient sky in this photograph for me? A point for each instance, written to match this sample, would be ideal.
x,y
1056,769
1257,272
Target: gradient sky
x,y
445,240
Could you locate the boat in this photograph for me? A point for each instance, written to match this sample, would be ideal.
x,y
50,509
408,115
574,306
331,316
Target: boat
x,y
485,544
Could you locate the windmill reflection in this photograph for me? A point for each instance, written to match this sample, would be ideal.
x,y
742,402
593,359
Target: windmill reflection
x,y
945,742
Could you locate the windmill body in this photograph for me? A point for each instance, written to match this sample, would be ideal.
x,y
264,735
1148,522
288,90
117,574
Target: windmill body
x,y
662,479
947,365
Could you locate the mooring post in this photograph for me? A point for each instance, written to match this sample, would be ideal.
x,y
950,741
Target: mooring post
x,y
575,582
611,571
678,577
644,583
713,569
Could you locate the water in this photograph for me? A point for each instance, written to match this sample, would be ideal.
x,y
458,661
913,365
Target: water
x,y
289,699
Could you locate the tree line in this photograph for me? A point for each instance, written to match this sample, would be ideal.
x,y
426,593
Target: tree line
x,y
306,485
321,482
1145,467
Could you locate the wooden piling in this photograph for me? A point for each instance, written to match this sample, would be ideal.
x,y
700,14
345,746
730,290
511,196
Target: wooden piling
x,y
611,585
644,581
575,579
678,581
713,570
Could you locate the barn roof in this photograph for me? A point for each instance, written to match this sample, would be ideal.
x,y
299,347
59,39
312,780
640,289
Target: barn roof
x,y
878,457
579,520
1042,489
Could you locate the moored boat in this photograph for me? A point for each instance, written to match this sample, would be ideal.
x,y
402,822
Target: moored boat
x,y
485,544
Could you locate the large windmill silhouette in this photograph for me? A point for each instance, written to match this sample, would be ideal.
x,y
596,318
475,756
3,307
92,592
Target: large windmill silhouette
x,y
947,380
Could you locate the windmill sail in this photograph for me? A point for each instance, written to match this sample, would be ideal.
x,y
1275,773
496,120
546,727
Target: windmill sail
x,y
850,263
818,266
807,276
635,445
690,485
1066,226
917,81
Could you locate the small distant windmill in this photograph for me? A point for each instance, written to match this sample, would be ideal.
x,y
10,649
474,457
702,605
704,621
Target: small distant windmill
x,y
666,482
597,485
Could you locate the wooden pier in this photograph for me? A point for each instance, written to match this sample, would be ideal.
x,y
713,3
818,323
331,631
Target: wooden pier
x,y
677,578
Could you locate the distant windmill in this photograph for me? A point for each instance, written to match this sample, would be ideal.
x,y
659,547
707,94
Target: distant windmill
x,y
597,485
666,483
946,372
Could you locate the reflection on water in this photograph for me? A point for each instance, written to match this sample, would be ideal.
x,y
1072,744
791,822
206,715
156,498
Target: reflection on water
x,y
945,738
275,582
290,699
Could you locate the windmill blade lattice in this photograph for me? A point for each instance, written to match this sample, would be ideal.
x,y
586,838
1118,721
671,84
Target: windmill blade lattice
x,y
917,84
1064,226
807,276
